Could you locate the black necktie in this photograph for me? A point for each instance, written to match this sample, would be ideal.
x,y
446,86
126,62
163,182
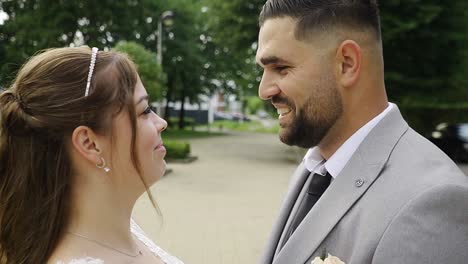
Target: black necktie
x,y
317,187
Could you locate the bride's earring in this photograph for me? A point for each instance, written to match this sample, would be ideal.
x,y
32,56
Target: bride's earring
x,y
102,165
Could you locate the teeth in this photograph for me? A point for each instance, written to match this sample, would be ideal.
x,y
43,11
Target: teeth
x,y
283,111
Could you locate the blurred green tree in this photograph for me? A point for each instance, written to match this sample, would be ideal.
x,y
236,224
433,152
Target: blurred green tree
x,y
184,62
232,27
40,24
424,47
150,72
425,50
213,42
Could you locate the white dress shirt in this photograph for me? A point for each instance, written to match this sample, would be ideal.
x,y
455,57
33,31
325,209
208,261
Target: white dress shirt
x,y
315,163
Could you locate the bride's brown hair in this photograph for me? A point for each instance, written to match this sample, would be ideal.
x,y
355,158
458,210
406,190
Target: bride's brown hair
x,y
38,114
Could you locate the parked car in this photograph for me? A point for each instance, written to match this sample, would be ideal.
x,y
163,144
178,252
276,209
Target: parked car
x,y
230,116
239,117
452,139
222,116
263,114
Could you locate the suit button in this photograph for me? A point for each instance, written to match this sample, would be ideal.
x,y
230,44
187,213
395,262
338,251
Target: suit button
x,y
359,182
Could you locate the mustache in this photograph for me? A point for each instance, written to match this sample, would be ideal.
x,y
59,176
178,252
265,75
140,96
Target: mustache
x,y
277,99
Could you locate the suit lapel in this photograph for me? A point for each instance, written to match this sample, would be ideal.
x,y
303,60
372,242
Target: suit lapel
x,y
357,176
297,182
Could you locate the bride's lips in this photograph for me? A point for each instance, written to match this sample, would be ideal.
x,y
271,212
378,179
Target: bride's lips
x,y
160,148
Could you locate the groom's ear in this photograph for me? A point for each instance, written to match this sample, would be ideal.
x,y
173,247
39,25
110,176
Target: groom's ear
x,y
348,61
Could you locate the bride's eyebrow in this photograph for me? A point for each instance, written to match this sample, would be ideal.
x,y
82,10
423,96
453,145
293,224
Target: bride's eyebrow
x,y
143,98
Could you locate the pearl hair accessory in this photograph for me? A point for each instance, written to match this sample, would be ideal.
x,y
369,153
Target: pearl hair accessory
x,y
91,69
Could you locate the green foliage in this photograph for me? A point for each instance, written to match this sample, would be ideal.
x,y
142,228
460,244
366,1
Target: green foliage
x,y
150,72
41,24
185,48
252,126
190,122
424,47
254,103
232,27
212,44
187,134
424,118
177,149
182,53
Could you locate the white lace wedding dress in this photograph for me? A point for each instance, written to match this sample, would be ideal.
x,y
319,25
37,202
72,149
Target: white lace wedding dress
x,y
138,232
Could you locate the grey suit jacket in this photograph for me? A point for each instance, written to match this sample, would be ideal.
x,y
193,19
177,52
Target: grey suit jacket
x,y
398,200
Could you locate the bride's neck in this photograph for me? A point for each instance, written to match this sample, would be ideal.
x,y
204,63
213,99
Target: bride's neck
x,y
99,213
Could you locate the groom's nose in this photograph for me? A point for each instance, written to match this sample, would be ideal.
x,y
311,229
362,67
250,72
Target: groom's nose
x,y
268,87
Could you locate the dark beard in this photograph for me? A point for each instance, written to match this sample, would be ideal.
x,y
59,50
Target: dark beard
x,y
309,128
304,133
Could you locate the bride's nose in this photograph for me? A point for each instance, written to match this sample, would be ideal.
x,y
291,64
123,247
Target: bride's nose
x,y
161,124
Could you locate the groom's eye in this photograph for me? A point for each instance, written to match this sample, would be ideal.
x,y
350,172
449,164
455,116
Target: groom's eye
x,y
281,68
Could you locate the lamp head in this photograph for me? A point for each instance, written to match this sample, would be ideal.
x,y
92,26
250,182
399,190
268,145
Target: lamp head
x,y
167,18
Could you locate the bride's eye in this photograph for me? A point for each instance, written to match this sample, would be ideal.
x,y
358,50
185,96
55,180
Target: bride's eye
x,y
147,110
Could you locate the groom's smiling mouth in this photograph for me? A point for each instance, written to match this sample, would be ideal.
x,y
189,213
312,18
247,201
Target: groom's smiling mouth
x,y
282,105
283,111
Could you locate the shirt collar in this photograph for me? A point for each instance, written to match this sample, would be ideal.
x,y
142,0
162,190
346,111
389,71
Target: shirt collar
x,y
314,162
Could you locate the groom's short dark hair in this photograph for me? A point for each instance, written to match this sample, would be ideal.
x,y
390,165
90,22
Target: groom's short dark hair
x,y
322,14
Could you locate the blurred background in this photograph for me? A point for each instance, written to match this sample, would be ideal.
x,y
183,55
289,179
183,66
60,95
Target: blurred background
x,y
227,170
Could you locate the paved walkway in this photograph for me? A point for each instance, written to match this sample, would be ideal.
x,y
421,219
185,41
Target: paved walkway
x,y
220,209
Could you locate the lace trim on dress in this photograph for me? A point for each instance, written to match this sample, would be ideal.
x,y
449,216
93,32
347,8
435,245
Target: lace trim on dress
x,y
87,260
140,235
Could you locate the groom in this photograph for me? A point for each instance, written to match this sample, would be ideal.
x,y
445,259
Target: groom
x,y
370,189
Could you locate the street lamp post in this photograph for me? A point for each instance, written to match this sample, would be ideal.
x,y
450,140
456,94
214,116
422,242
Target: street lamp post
x,y
166,18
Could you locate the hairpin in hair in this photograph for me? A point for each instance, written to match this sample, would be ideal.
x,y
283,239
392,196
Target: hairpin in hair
x,y
91,69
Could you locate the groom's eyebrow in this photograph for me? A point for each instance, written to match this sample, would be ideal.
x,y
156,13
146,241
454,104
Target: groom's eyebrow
x,y
271,60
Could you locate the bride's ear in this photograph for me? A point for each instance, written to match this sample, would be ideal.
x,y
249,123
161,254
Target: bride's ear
x,y
87,144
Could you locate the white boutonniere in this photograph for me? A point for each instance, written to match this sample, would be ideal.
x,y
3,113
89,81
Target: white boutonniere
x,y
328,260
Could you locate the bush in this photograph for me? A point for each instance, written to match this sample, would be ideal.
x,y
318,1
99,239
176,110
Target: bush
x,y
189,122
177,149
254,104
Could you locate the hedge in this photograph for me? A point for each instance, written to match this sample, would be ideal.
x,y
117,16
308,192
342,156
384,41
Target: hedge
x,y
177,149
189,121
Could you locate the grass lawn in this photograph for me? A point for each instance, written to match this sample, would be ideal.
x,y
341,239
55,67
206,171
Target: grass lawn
x,y
177,141
176,134
251,126
225,125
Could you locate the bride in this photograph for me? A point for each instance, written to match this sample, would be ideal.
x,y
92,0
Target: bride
x,y
78,145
